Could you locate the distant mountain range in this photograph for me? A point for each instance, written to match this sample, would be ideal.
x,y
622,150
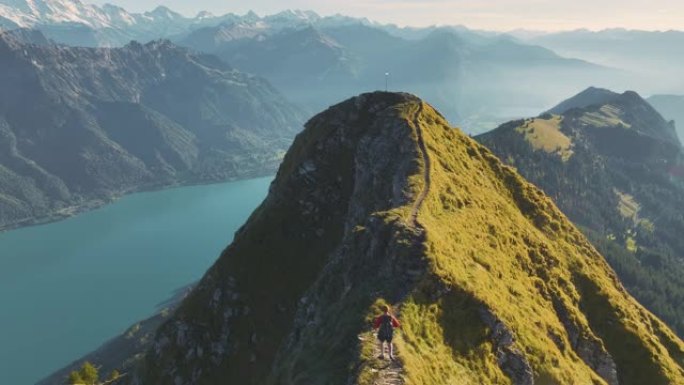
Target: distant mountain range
x,y
79,126
652,58
477,79
76,23
473,79
615,166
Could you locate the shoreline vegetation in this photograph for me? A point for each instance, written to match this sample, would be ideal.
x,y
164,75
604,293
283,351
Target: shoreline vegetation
x,y
97,203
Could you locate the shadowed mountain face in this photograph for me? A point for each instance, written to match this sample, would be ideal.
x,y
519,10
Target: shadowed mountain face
x,y
615,168
81,125
378,201
471,78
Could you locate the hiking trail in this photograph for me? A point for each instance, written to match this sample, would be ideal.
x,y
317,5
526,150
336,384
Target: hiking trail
x,y
426,168
392,372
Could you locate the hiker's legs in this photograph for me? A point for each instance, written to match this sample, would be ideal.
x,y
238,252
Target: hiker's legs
x,y
391,355
382,349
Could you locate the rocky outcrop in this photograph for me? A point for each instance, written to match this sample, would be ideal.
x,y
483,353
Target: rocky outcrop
x,y
510,359
589,348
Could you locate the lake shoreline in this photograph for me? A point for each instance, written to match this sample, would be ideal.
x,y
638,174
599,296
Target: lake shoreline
x,y
132,342
120,263
97,203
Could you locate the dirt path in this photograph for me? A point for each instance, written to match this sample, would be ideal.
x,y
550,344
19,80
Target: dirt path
x,y
392,372
426,170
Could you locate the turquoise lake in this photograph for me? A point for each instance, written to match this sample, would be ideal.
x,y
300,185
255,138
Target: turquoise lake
x,y
67,287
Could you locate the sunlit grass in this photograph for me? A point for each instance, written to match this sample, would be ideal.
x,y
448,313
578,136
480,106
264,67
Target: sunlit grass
x,y
545,134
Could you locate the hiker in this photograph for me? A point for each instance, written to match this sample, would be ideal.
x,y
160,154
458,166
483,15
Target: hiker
x,y
385,324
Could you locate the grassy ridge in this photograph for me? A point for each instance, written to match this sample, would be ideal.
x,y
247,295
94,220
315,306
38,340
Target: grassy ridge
x,y
493,285
496,241
620,186
545,134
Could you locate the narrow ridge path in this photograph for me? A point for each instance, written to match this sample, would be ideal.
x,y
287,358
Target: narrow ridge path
x,y
393,372
426,171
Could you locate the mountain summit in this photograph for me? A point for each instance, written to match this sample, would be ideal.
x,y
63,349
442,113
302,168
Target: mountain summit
x,y
604,108
586,98
379,201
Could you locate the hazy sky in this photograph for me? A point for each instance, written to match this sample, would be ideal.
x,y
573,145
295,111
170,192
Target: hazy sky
x,y
481,14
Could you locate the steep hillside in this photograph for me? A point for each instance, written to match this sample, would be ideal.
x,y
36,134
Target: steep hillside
x,y
380,200
80,125
615,169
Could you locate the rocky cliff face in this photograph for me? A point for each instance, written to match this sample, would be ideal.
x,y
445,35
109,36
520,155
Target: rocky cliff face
x,y
379,201
78,125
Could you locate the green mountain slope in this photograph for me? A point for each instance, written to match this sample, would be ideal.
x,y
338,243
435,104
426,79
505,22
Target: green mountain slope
x,y
380,200
613,168
79,126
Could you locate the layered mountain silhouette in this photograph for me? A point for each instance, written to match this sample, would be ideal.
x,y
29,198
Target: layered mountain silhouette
x,y
470,77
379,201
81,125
77,23
614,166
671,107
648,56
473,77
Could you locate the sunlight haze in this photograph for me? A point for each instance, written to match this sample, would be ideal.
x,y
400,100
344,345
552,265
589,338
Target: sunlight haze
x,y
499,15
269,191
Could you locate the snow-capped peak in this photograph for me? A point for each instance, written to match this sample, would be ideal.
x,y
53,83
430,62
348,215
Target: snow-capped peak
x,y
296,15
159,23
28,13
163,12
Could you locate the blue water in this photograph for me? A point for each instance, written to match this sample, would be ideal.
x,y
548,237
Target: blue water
x,y
68,286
